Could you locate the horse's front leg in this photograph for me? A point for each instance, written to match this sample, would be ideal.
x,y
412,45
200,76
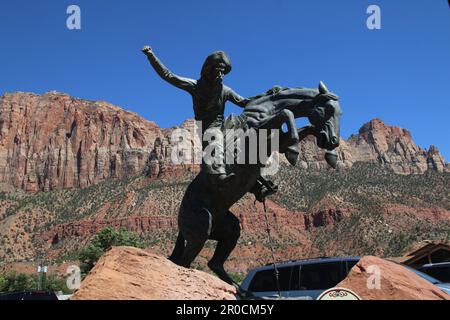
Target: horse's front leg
x,y
286,146
287,117
289,140
302,133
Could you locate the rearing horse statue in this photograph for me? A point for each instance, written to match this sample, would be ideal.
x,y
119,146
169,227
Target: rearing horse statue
x,y
205,209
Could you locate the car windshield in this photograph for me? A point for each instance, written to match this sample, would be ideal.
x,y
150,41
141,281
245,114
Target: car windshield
x,y
425,276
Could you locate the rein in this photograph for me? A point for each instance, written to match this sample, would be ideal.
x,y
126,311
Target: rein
x,y
275,269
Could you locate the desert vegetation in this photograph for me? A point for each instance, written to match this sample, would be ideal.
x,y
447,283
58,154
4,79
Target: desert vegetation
x,y
384,214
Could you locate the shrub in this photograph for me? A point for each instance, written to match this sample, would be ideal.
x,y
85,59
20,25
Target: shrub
x,y
237,277
13,281
101,242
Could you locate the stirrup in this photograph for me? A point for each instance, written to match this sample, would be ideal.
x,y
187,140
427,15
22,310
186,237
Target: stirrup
x,y
266,188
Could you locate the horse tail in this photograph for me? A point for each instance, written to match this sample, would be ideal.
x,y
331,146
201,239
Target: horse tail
x,y
178,251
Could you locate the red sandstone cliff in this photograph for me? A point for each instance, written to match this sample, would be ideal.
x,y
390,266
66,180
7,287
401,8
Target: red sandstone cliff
x,y
250,214
54,141
377,142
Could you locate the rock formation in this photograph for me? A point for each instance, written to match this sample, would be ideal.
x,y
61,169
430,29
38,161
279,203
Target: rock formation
x,y
394,147
53,141
127,273
397,282
377,142
248,213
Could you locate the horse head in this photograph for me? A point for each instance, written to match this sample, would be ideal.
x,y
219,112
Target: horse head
x,y
280,106
325,118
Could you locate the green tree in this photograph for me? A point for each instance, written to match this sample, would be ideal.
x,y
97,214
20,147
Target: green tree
x,y
54,283
13,281
3,284
89,256
16,282
102,241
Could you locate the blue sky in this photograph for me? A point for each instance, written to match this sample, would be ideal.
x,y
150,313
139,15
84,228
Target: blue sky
x,y
399,74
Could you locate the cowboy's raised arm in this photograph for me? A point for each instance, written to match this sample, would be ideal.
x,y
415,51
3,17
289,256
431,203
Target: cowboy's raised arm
x,y
177,81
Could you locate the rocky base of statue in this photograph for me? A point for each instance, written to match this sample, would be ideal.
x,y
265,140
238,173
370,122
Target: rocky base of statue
x,y
127,273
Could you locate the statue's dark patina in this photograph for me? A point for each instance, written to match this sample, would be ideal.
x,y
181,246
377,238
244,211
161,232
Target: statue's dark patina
x,y
205,209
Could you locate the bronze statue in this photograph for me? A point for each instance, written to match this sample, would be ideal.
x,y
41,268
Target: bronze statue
x,y
204,213
209,95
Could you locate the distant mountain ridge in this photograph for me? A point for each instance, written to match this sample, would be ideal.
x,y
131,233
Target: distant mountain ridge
x,y
107,167
54,141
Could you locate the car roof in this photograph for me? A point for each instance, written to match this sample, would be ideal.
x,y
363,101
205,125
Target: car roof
x,y
443,264
306,262
424,275
28,295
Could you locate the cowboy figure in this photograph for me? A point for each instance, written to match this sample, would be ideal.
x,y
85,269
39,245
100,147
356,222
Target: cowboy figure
x,y
209,95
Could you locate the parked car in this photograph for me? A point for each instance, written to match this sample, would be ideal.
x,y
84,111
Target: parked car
x,y
28,295
441,285
440,271
307,279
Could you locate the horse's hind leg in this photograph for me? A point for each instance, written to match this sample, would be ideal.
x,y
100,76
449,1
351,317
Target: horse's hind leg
x,y
178,251
227,236
195,227
191,251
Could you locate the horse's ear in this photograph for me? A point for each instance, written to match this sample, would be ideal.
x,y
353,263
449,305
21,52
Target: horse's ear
x,y
323,88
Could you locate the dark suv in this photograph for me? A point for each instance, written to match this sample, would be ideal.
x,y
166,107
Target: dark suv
x,y
28,295
440,271
299,279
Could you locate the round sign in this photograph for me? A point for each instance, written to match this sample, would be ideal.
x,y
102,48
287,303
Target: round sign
x,y
338,294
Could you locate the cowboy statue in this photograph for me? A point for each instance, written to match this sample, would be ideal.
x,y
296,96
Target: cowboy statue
x,y
209,95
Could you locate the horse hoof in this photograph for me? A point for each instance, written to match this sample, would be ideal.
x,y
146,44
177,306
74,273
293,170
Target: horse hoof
x,y
291,156
331,158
